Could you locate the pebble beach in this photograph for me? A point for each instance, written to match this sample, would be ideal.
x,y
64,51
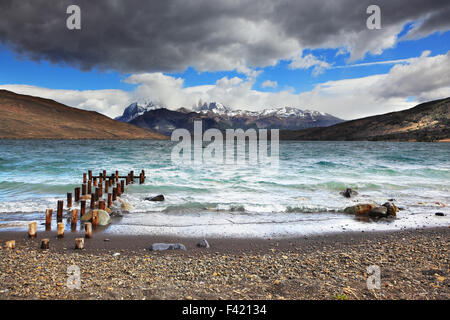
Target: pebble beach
x,y
414,264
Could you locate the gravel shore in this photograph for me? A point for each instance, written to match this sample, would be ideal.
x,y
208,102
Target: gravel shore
x,y
414,264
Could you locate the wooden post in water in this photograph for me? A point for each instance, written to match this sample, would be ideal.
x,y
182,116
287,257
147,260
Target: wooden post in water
x,y
90,174
96,194
100,189
79,243
69,199
77,194
117,175
60,229
109,200
114,195
74,218
32,229
106,186
89,187
45,244
141,178
92,200
82,208
59,213
119,190
88,230
122,186
101,204
132,176
84,177
104,174
94,218
95,182
83,189
100,180
48,219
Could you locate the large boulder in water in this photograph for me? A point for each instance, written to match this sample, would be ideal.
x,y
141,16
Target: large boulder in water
x,y
391,208
360,209
157,198
378,212
103,217
125,206
167,246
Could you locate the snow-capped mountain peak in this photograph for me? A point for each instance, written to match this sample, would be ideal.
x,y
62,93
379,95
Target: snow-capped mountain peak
x,y
214,107
135,110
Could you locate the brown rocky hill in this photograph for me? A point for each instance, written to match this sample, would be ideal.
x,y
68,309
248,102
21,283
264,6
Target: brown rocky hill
x,y
28,117
428,121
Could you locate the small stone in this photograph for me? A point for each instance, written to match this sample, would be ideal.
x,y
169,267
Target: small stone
x,y
203,244
116,254
167,246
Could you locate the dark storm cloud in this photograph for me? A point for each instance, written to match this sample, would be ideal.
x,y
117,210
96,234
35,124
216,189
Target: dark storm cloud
x,y
170,35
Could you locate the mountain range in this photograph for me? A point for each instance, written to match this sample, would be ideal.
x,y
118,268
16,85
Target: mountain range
x,y
28,117
216,115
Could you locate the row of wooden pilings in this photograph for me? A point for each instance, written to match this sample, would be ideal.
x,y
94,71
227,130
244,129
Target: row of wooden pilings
x,y
97,190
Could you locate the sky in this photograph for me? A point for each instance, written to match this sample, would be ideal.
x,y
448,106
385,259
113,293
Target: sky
x,y
249,54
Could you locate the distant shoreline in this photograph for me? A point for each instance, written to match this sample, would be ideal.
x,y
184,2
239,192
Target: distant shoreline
x,y
168,139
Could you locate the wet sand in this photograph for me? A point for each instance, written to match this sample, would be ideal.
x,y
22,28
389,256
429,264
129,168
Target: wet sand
x,y
414,264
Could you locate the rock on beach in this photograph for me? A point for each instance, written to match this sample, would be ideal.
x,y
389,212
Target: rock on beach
x,y
103,217
360,209
167,246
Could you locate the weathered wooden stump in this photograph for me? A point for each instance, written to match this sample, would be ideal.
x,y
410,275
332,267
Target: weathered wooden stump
x,y
59,213
88,230
32,229
84,178
94,218
79,243
69,199
82,208
60,230
11,244
77,194
48,219
114,195
45,243
92,201
109,200
89,187
74,218
100,189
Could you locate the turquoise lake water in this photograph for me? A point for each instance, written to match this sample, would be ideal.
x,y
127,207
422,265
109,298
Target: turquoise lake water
x,y
301,197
